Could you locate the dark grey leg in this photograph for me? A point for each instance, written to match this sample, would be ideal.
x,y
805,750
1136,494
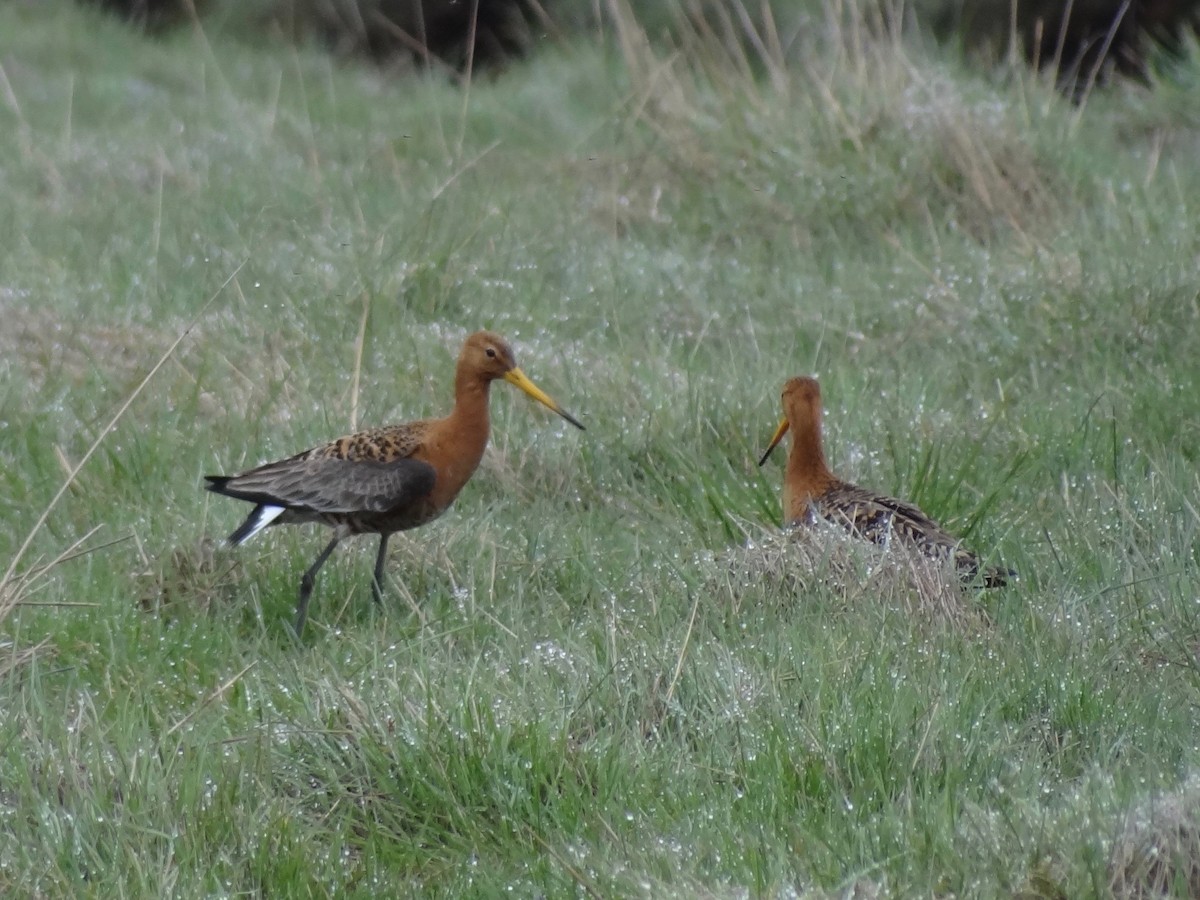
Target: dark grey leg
x,y
306,585
377,582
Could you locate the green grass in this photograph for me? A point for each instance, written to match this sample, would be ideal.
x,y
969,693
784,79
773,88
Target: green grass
x,y
564,693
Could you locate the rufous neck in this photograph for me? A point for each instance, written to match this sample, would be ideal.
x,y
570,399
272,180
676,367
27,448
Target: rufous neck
x,y
806,468
471,397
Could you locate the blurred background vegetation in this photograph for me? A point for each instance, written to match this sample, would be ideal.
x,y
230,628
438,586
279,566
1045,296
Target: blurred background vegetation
x,y
1080,42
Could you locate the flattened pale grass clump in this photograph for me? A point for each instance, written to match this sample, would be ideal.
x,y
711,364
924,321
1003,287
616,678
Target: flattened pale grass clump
x,y
798,562
1157,852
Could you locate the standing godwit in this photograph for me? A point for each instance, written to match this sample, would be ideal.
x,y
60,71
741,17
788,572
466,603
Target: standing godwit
x,y
386,479
810,490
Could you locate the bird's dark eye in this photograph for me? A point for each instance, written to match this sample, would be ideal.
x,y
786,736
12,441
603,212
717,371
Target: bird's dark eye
x,y
491,353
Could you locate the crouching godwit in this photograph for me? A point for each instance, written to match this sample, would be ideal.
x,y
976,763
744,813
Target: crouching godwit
x,y
810,490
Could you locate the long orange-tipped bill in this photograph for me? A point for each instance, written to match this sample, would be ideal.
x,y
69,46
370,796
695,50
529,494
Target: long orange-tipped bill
x,y
521,380
779,433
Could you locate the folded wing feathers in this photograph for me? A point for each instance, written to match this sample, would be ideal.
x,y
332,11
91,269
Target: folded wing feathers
x,y
330,485
875,518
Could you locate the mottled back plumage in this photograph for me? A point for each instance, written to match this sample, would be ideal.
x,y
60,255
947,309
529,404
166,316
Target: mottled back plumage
x,y
881,519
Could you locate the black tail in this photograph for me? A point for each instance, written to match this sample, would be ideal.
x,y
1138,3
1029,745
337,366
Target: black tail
x,y
997,576
216,483
992,577
971,572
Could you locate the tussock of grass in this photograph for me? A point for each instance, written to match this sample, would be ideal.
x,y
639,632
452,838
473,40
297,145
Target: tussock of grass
x,y
201,574
873,139
1157,852
796,563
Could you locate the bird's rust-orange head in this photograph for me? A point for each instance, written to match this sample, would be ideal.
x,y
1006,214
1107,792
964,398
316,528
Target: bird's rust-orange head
x,y
486,356
801,413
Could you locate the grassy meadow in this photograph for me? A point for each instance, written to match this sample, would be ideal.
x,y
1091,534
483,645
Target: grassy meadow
x,y
585,681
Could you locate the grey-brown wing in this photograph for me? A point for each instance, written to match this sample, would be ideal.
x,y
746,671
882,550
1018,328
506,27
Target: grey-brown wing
x,y
324,485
